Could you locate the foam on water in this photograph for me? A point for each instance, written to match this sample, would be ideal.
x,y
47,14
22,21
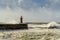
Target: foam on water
x,y
50,24
30,35
35,34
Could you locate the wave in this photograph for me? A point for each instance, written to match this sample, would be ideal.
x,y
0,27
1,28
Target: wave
x,y
48,25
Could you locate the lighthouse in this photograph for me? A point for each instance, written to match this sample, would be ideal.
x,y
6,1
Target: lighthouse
x,y
21,19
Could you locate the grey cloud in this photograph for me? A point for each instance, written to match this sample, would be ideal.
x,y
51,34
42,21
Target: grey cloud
x,y
12,10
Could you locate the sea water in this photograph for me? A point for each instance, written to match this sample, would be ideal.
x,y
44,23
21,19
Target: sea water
x,y
33,33
41,34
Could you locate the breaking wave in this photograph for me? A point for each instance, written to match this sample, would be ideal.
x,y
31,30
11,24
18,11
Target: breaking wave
x,y
48,25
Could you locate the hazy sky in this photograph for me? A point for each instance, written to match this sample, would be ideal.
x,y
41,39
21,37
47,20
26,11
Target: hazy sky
x,y
31,10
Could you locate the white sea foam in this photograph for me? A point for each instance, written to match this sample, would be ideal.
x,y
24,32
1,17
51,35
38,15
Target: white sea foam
x,y
50,24
34,34
54,34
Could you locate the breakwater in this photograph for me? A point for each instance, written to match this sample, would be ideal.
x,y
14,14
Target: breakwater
x,y
13,26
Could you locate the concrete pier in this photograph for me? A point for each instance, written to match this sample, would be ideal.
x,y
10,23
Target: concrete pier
x,y
21,25
13,26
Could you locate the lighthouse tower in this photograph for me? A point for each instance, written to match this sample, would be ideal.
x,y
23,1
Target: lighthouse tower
x,y
21,19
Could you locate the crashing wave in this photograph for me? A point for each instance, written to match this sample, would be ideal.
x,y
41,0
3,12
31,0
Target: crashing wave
x,y
52,24
49,25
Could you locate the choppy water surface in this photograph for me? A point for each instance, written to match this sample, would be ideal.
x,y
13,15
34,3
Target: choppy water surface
x,y
34,32
42,34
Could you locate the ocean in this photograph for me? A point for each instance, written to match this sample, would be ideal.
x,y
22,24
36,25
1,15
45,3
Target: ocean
x,y
31,34
34,32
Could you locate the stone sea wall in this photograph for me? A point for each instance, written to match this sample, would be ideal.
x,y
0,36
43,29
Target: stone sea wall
x,y
13,26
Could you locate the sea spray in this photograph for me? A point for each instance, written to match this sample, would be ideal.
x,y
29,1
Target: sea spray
x,y
43,26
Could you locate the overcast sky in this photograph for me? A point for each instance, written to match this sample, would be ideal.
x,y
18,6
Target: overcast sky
x,y
31,10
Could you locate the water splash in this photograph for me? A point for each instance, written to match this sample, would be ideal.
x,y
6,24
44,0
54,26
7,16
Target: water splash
x,y
12,22
53,24
50,24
